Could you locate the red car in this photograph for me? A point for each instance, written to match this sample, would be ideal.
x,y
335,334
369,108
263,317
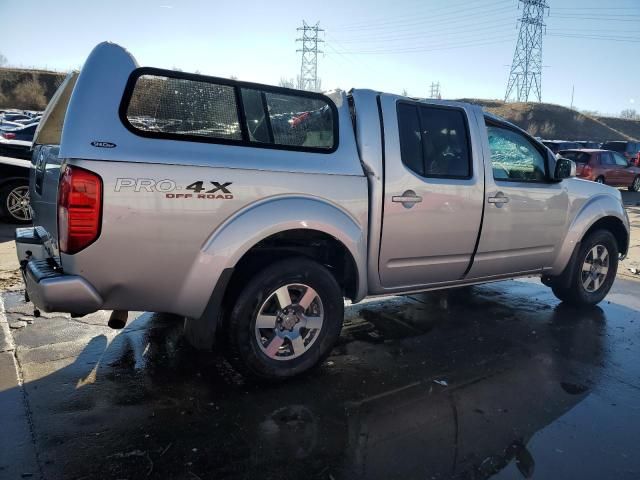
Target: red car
x,y
605,166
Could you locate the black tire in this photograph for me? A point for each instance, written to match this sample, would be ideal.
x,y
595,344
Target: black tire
x,y
577,294
241,345
600,179
635,186
5,191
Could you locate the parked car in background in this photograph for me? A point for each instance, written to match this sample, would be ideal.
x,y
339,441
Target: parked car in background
x,y
15,116
589,144
631,150
14,190
8,124
604,166
17,142
556,145
28,121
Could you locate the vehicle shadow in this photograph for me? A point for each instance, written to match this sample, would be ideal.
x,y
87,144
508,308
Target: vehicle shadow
x,y
426,386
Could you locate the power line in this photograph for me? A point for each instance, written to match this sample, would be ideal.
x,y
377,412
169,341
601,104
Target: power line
x,y
417,21
473,26
599,18
418,18
309,65
439,47
525,76
623,39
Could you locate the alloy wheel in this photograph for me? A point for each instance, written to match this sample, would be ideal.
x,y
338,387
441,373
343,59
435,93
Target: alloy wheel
x,y
595,268
289,321
18,203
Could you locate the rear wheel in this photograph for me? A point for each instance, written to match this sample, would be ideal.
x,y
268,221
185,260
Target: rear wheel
x,y
600,179
635,186
14,202
285,321
593,271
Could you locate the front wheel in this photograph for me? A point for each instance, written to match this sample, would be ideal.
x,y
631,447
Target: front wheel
x,y
593,271
285,321
635,186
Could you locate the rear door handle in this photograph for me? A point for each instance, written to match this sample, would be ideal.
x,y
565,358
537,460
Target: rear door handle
x,y
498,199
407,199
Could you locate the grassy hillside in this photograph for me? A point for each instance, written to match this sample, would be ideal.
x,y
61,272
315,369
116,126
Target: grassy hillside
x,y
27,89
630,128
556,122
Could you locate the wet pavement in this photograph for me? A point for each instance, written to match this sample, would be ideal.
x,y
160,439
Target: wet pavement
x,y
497,380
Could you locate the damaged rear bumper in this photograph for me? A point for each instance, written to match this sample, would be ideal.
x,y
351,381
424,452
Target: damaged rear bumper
x,y
48,287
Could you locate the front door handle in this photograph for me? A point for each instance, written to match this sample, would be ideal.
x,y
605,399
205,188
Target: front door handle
x,y
407,199
498,199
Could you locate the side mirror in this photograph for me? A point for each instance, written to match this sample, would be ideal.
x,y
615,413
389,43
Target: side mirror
x,y
565,168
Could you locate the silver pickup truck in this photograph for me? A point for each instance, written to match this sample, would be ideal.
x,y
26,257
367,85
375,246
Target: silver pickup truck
x,y
252,211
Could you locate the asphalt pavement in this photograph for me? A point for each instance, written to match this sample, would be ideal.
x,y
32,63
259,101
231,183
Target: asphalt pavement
x,y
497,380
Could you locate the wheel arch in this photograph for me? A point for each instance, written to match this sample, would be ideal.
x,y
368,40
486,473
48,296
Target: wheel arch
x,y
274,228
601,211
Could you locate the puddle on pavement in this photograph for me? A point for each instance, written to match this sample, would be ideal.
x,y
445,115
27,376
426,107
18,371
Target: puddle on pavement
x,y
425,386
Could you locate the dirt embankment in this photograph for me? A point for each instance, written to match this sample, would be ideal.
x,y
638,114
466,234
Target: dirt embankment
x,y
27,89
556,122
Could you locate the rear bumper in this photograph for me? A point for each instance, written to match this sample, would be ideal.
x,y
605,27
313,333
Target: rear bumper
x,y
53,291
47,286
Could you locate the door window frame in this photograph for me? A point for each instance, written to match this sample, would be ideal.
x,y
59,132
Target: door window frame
x,y
465,122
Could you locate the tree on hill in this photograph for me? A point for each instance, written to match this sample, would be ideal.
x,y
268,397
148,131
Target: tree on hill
x,y
629,114
3,60
286,82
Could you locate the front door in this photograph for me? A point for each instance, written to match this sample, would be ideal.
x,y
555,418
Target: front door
x,y
609,168
434,183
625,172
525,213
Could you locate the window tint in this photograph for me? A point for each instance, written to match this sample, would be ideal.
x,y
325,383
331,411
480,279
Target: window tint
x,y
410,142
514,157
254,112
300,121
291,120
578,157
180,106
434,141
620,160
606,159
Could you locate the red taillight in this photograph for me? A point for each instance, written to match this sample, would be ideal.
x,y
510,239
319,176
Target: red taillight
x,y
79,209
9,135
586,171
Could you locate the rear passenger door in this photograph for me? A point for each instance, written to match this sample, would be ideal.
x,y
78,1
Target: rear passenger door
x,y
433,190
525,213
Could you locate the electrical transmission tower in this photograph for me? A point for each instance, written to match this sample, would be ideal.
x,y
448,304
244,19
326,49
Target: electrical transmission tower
x,y
309,67
435,91
526,69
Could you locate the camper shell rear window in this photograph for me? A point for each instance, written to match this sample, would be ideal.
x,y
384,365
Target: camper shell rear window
x,y
166,104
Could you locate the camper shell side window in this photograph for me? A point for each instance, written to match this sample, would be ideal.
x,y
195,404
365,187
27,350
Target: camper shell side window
x,y
165,104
